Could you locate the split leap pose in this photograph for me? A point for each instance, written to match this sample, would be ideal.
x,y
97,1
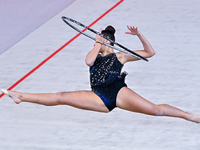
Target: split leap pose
x,y
107,82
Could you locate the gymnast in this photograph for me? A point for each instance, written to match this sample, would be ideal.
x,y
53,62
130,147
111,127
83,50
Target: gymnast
x,y
108,87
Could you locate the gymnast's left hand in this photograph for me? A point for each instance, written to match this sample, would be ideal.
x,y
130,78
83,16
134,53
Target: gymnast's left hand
x,y
133,30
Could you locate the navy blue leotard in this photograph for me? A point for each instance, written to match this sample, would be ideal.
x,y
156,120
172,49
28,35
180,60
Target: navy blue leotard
x,y
106,79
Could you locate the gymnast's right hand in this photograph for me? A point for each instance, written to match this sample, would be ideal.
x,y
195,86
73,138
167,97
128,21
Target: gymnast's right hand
x,y
99,38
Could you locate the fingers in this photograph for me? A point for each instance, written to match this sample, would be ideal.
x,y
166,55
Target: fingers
x,y
133,29
128,32
100,30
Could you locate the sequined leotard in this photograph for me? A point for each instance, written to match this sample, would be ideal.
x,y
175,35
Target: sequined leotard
x,y
105,78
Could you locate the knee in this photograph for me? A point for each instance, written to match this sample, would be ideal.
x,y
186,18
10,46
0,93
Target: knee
x,y
158,111
60,94
59,97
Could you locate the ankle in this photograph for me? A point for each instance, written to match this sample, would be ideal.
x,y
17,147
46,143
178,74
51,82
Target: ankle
x,y
15,96
193,117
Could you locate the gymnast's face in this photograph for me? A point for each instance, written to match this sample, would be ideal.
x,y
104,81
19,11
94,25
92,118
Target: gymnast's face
x,y
105,48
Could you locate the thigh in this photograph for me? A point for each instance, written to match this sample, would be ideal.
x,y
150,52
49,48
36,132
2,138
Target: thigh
x,y
129,100
87,100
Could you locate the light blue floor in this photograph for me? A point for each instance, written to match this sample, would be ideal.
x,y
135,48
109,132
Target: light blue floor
x,y
171,76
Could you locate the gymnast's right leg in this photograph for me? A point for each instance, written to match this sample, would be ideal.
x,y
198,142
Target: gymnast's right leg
x,y
87,100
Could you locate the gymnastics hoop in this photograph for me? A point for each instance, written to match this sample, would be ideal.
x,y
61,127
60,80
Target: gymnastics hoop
x,y
128,51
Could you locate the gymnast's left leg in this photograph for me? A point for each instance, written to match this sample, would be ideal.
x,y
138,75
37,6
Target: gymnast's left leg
x,y
129,100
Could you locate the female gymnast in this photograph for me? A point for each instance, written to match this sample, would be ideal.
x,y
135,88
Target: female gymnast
x,y
107,82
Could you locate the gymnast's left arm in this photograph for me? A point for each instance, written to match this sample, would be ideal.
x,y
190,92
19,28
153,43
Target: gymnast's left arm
x,y
148,49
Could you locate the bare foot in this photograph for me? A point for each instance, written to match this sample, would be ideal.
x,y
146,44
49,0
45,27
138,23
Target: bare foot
x,y
194,117
12,95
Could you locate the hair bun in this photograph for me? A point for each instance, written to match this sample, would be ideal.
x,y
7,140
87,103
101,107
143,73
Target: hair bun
x,y
110,29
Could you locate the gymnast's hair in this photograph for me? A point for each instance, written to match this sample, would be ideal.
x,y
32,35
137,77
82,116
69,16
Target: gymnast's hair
x,y
109,33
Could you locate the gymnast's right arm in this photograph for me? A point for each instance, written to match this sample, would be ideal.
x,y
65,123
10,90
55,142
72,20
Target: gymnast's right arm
x,y
92,55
